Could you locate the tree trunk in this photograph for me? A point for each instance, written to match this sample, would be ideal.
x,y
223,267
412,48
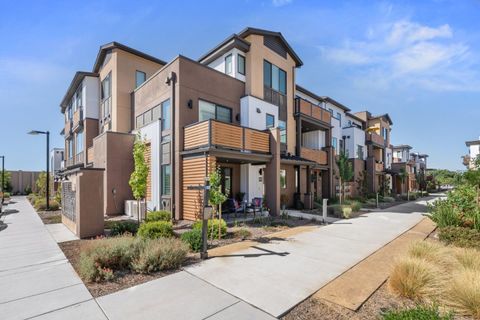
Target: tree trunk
x,y
219,221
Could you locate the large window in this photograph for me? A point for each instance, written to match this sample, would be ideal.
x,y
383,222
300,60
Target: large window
x,y
274,77
334,143
79,142
283,179
105,95
166,178
228,64
241,64
166,115
78,98
270,121
359,152
70,148
282,125
140,78
208,110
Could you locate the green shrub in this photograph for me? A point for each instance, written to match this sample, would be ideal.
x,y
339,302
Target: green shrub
x,y
102,257
242,233
356,206
213,225
155,229
417,313
346,212
444,214
161,215
388,199
5,194
460,237
160,254
193,238
41,204
121,227
334,210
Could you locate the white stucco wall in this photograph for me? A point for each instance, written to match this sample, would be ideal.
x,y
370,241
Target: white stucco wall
x,y
249,117
357,137
474,151
91,97
388,158
151,133
219,63
251,181
336,132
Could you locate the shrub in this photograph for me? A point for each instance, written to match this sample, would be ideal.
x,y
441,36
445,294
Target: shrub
x,y
460,237
5,194
161,215
346,212
121,227
468,258
242,233
356,206
160,254
193,238
41,204
388,199
335,210
418,313
100,258
213,225
444,214
156,229
463,292
414,278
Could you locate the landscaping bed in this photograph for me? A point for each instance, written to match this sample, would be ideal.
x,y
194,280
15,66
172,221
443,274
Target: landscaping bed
x,y
50,217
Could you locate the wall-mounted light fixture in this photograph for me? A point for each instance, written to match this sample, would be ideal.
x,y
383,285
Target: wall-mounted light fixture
x,y
259,111
237,117
190,104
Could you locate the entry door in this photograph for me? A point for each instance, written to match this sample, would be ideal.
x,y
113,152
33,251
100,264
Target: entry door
x,y
227,181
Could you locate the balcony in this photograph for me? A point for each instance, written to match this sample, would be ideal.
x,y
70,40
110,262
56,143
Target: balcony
x,y
77,120
68,128
275,97
217,134
69,162
79,158
318,156
90,155
309,109
375,138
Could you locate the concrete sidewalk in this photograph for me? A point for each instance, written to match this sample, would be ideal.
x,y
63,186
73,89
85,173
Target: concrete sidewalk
x,y
277,275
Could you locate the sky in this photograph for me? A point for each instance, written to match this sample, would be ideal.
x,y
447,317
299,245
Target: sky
x,y
418,61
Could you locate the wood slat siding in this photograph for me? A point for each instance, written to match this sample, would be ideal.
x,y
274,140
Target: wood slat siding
x,y
375,138
226,135
257,141
90,155
313,111
194,175
77,116
319,156
196,135
148,160
68,128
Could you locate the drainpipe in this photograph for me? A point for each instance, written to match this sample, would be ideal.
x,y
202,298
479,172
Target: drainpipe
x,y
171,81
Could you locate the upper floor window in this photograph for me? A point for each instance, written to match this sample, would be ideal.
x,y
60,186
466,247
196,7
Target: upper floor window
x,y
166,115
140,78
359,151
241,64
339,117
282,125
78,98
79,142
208,110
274,77
106,92
228,64
334,143
270,120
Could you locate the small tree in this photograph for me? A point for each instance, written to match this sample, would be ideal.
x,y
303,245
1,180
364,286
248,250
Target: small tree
x,y
345,172
7,183
41,184
216,196
138,178
403,176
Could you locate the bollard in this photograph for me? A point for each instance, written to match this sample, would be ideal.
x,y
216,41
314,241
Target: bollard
x,y
324,210
377,200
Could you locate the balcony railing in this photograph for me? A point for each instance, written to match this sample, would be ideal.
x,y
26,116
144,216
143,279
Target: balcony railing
x,y
375,138
68,128
69,162
213,133
318,156
90,155
79,159
275,97
78,119
312,110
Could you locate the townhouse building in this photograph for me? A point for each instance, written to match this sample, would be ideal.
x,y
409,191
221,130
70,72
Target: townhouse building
x,y
404,170
473,153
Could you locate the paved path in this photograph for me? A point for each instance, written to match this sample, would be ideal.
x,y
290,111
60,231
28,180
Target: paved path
x,y
277,275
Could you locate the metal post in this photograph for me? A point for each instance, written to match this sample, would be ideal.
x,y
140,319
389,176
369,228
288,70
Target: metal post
x,y
48,171
324,210
3,178
206,192
377,200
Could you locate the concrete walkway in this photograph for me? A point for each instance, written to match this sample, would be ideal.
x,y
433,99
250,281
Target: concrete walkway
x,y
277,275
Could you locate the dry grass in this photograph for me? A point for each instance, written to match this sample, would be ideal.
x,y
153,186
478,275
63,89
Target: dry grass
x,y
431,272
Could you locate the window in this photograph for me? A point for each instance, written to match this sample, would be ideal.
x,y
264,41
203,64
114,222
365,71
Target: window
x,y
274,77
282,125
341,144
228,64
270,121
208,110
283,179
78,98
106,92
339,117
70,148
140,78
166,177
334,143
241,64
166,115
331,111
359,152
79,142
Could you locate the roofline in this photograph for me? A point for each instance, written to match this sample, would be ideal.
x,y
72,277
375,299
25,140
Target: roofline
x,y
351,115
233,37
77,79
308,92
249,30
116,45
323,98
403,146
472,143
338,104
386,115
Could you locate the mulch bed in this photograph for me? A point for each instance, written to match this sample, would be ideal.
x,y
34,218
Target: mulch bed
x,y
122,280
50,217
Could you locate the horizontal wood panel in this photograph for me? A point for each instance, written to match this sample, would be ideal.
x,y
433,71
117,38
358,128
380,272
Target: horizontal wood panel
x,y
196,135
319,156
257,141
227,135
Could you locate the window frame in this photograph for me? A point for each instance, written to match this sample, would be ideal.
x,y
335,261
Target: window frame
x,y
216,106
229,57
137,72
241,57
267,116
283,172
163,185
270,84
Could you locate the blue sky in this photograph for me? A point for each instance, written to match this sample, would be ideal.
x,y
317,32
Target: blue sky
x,y
418,60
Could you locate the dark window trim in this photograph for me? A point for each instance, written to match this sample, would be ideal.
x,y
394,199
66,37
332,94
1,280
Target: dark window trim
x,y
216,105
271,77
231,64
144,73
266,117
244,64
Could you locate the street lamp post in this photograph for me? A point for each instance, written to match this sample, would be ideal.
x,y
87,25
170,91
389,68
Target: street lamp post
x,y
3,178
47,133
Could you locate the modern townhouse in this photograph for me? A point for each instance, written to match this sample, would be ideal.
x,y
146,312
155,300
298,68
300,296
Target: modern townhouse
x,y
420,161
404,170
377,141
473,153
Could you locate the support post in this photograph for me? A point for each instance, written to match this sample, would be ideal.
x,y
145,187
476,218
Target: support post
x,y
48,172
206,193
324,210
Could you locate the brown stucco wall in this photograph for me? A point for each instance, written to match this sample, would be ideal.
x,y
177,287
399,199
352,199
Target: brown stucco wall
x,y
290,189
20,180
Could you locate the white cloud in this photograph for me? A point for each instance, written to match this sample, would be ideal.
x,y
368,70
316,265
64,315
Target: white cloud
x,y
411,54
280,3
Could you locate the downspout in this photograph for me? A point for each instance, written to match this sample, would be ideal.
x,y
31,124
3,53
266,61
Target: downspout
x,y
171,81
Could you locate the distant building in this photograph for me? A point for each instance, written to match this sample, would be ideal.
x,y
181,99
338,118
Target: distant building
x,y
56,160
474,151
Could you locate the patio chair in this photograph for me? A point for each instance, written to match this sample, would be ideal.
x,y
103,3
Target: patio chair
x,y
256,205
